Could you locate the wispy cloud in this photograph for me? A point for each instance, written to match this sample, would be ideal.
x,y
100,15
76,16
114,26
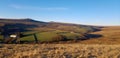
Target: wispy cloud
x,y
37,8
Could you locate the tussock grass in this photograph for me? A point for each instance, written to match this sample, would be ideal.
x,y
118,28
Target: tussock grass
x,y
110,35
59,51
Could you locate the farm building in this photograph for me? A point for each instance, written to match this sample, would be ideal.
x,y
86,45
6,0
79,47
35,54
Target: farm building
x,y
11,35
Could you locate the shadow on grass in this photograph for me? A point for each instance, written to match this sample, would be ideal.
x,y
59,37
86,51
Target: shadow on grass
x,y
89,36
27,42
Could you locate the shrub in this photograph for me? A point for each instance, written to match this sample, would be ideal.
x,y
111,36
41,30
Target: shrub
x,y
59,38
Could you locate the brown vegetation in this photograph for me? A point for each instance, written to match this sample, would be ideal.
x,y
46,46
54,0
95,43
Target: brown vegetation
x,y
59,51
59,38
110,35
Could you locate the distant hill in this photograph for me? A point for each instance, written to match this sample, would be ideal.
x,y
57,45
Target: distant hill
x,y
57,31
22,21
37,25
45,31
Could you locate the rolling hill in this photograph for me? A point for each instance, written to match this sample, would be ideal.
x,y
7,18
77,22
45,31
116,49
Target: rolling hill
x,y
47,31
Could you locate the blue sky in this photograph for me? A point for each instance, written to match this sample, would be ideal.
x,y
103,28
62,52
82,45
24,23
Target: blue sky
x,y
90,12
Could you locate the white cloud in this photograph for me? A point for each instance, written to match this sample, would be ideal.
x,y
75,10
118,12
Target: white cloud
x,y
37,8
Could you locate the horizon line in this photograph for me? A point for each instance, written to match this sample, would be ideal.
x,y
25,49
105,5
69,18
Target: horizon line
x,y
58,22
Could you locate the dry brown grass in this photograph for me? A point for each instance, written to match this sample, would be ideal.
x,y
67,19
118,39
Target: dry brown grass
x,y
110,35
59,51
93,48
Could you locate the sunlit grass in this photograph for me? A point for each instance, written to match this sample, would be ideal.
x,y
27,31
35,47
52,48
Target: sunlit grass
x,y
59,51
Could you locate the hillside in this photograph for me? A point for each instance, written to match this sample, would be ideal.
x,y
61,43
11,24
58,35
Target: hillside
x,y
55,31
110,35
28,27
29,23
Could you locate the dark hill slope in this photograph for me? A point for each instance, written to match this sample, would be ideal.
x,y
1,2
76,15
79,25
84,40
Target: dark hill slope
x,y
21,21
39,25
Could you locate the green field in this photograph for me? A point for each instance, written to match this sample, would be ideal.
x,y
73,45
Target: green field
x,y
48,36
53,35
1,37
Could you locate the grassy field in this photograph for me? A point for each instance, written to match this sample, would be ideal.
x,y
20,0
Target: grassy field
x,y
110,35
59,51
1,38
105,46
47,36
